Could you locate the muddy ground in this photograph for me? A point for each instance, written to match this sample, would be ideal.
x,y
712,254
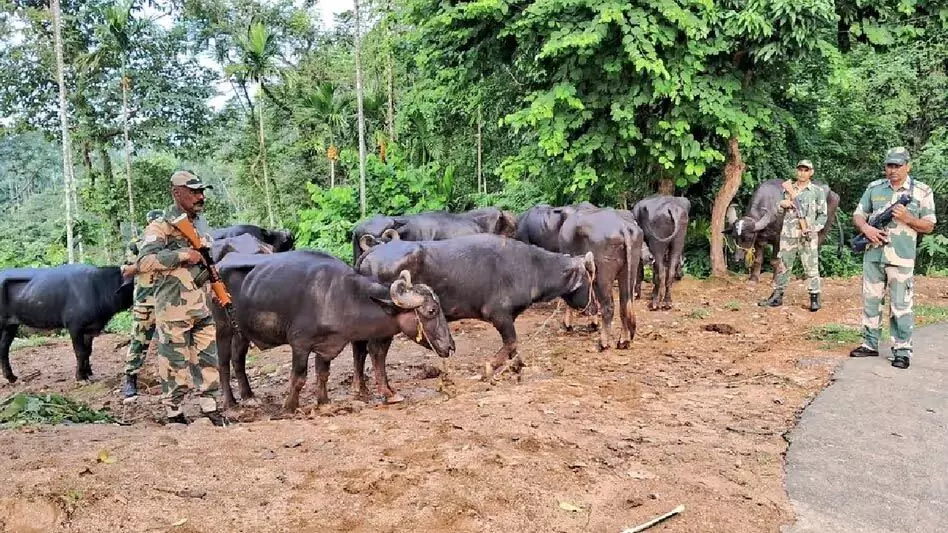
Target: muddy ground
x,y
587,441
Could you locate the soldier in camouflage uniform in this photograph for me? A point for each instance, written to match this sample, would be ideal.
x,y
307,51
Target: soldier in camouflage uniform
x,y
890,258
187,349
143,313
794,239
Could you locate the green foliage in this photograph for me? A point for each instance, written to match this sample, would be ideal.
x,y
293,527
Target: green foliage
x,y
121,323
935,249
929,314
699,313
47,408
733,305
834,334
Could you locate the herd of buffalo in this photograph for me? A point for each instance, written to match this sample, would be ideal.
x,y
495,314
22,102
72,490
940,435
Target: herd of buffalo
x,y
411,274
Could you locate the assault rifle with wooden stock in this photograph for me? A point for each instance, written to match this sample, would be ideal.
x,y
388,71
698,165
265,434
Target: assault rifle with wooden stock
x,y
792,194
218,288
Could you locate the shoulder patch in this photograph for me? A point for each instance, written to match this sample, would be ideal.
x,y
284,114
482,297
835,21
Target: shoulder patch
x,y
923,187
150,238
877,182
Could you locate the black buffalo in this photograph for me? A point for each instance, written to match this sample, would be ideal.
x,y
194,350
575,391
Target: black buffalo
x,y
762,223
615,240
431,226
244,243
486,277
281,240
540,225
318,304
80,298
664,222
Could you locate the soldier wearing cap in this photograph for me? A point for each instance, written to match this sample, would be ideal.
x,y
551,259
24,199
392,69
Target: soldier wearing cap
x,y
802,222
890,258
187,349
143,312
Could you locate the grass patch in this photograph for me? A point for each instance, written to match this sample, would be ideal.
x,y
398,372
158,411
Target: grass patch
x,y
32,342
699,314
833,335
733,305
929,314
120,323
29,408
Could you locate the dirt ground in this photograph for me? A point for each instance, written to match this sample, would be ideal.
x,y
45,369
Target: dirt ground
x,y
587,441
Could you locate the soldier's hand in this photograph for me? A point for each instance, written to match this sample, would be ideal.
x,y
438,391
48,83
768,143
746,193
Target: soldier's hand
x,y
786,204
875,236
193,258
900,213
129,270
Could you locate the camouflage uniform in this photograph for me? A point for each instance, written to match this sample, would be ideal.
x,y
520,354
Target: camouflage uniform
x,y
143,310
892,264
187,348
812,201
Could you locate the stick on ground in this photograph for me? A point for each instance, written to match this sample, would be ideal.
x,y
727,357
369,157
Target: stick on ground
x,y
652,522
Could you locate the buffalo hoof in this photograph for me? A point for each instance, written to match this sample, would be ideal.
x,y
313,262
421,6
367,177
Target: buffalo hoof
x,y
623,345
10,378
488,371
666,305
653,306
251,402
568,328
291,407
602,347
394,399
228,403
592,327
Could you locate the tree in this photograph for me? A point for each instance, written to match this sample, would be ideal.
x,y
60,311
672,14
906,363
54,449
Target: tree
x,y
359,106
68,178
259,50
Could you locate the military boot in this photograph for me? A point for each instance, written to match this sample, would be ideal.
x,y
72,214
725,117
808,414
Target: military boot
x,y
130,388
775,300
815,304
217,418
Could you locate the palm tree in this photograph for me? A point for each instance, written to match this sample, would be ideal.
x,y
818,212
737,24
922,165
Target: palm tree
x,y
259,50
119,23
327,107
68,177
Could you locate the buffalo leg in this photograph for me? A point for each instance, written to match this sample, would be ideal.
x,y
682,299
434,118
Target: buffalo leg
x,y
508,335
674,270
322,379
378,349
359,351
758,263
659,274
775,263
83,350
603,288
239,347
224,352
7,334
626,312
297,377
638,281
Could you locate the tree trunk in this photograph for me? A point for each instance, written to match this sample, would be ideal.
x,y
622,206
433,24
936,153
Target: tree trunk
x,y
361,112
68,178
390,75
128,157
332,173
666,186
263,162
733,169
481,182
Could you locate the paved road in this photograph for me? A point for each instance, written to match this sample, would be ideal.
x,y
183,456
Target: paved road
x,y
870,454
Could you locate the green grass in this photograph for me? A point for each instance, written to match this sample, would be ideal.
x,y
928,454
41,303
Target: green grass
x,y
929,314
32,342
833,335
699,314
120,323
732,305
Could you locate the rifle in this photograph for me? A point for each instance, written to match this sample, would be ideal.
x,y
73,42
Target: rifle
x,y
788,188
861,242
221,294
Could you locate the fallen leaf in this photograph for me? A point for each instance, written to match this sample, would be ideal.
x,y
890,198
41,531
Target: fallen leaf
x,y
566,506
179,522
104,457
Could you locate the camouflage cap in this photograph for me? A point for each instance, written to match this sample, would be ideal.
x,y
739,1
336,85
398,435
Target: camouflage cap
x,y
183,178
153,214
805,163
897,156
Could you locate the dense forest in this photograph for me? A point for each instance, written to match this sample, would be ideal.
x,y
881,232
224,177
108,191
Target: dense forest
x,y
459,104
